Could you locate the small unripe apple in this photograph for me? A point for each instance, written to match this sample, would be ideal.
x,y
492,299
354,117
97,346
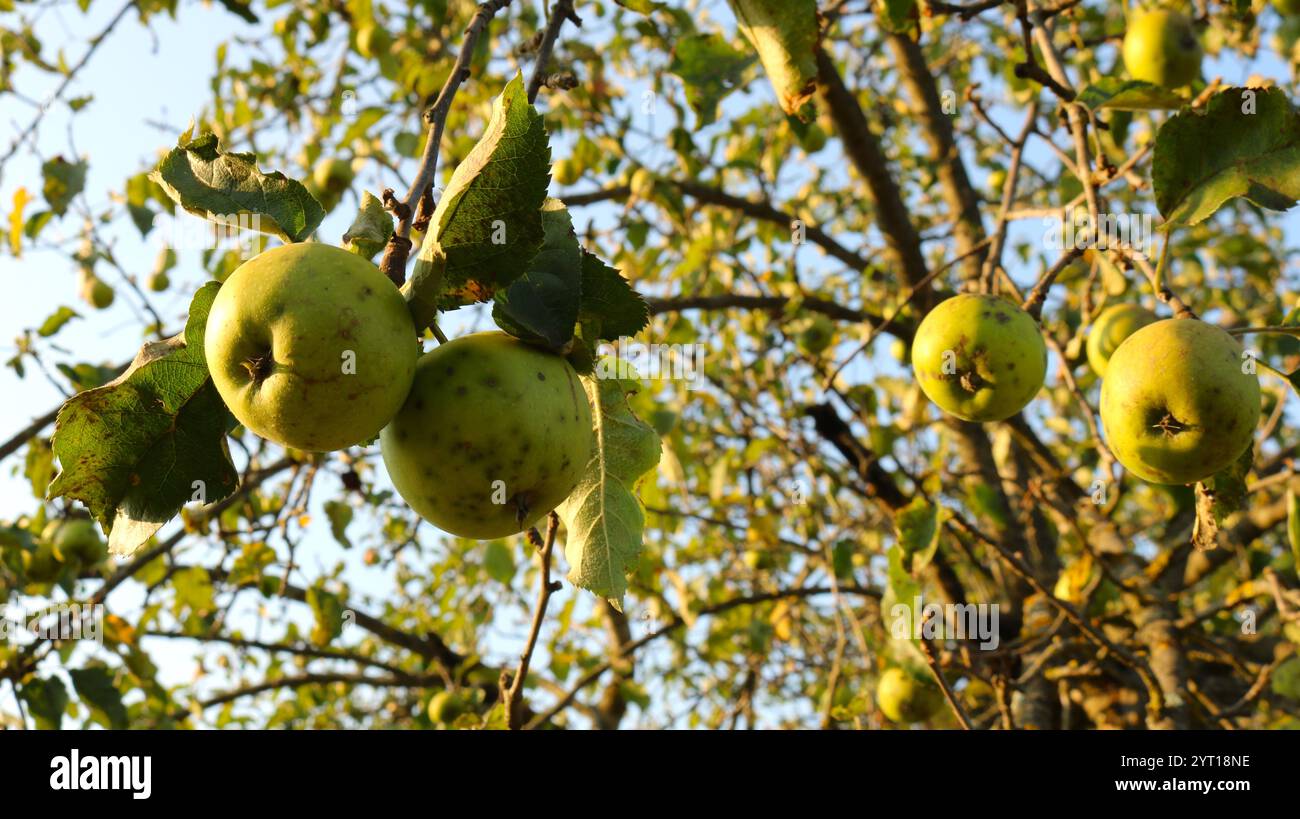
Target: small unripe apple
x,y
42,565
997,181
446,706
95,291
311,347
907,698
330,179
979,357
494,434
1161,47
1116,323
1179,402
76,538
565,172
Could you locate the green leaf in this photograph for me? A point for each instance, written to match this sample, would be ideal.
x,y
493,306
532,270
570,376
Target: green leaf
x,y
95,686
252,561
241,9
55,321
1129,95
1245,143
220,186
46,699
38,467
897,15
711,69
917,527
488,224
903,589
498,562
328,608
64,180
603,518
542,306
138,190
194,590
610,308
785,34
340,515
137,449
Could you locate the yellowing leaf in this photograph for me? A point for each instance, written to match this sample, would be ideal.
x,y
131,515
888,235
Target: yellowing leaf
x,y
21,198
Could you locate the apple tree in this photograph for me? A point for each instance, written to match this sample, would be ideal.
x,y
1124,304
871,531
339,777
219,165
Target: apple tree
x,y
627,363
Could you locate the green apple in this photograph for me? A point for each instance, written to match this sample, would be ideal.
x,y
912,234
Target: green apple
x,y
997,181
565,172
158,282
446,706
76,538
1161,47
42,565
979,357
906,697
330,179
1178,403
95,291
1116,323
311,347
493,430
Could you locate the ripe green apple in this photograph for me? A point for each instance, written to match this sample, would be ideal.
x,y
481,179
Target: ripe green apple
x,y
76,538
493,429
1116,323
907,698
311,347
1176,404
1160,47
979,357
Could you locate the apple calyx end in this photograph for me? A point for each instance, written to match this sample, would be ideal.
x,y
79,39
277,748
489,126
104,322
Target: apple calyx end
x,y
258,367
1169,426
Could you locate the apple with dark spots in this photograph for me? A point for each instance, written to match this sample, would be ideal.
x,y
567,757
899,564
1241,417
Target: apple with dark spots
x,y
979,357
494,434
311,347
1179,403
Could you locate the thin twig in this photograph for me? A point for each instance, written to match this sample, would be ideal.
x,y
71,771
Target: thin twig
x,y
512,690
563,10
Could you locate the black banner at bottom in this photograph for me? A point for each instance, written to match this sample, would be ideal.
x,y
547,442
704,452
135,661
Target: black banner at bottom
x,y
941,767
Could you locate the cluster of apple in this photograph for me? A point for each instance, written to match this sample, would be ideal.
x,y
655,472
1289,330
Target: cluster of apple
x,y
1179,398
313,348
